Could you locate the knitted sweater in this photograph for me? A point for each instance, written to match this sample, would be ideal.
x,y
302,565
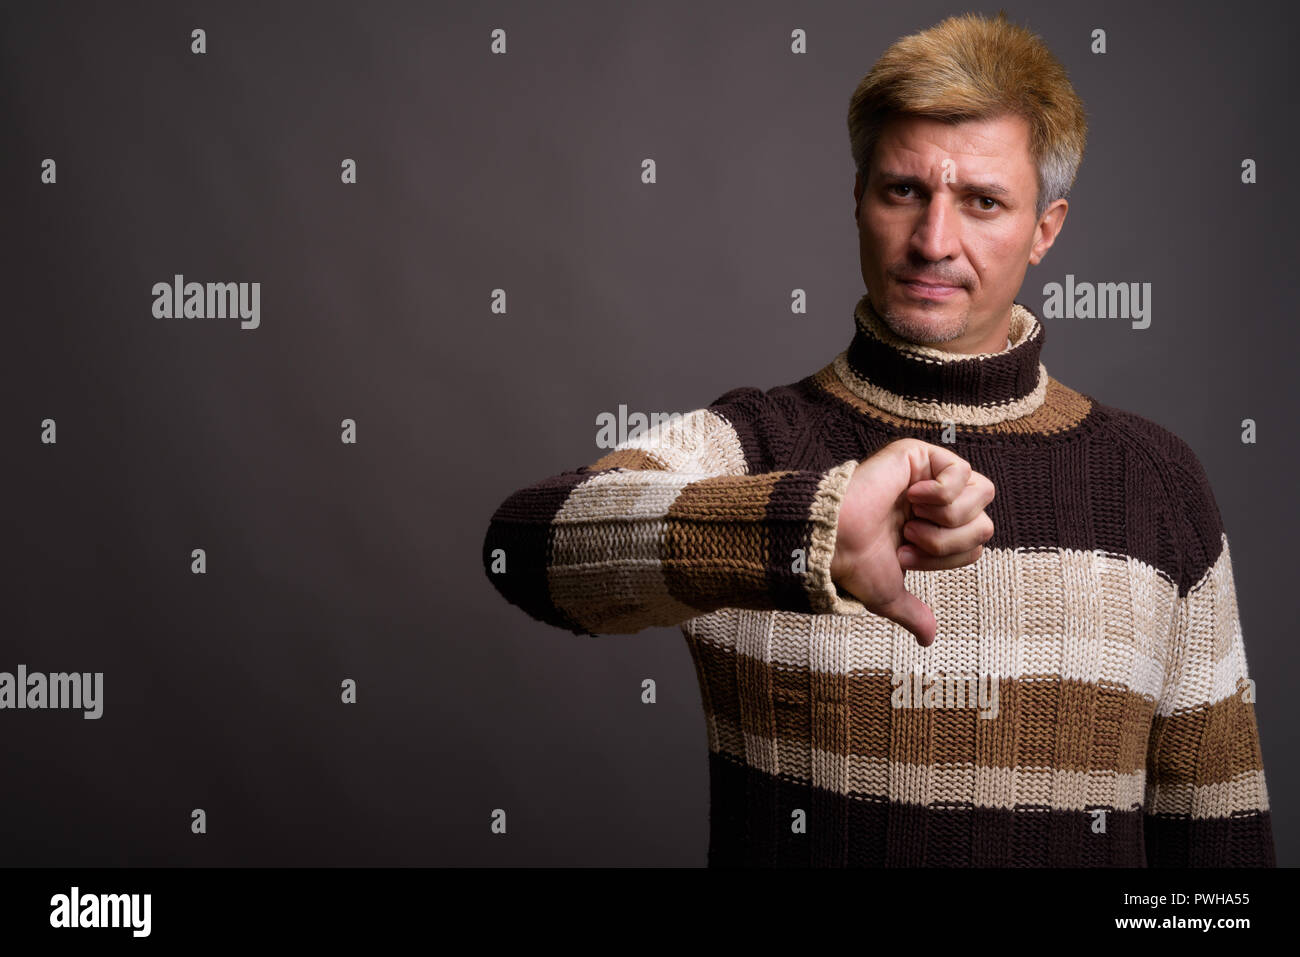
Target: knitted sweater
x,y
1085,701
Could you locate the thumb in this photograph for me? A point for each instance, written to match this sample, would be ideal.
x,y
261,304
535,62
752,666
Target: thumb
x,y
913,614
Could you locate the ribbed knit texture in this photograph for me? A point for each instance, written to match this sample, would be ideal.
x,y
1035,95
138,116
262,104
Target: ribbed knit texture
x,y
1102,613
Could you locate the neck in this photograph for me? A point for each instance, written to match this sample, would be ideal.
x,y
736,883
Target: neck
x,y
933,385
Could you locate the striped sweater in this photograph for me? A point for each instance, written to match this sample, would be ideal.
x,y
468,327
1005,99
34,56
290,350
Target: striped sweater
x,y
1086,699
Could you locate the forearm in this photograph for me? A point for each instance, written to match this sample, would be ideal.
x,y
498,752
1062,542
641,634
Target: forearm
x,y
1207,801
617,550
1207,804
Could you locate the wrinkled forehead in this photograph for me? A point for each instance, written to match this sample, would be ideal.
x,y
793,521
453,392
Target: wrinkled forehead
x,y
924,146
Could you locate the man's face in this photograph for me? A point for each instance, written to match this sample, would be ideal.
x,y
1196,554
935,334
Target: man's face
x,y
951,204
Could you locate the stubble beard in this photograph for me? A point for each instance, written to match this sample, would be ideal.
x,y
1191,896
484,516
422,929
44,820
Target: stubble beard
x,y
909,323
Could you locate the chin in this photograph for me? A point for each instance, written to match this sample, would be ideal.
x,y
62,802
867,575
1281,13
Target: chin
x,y
926,323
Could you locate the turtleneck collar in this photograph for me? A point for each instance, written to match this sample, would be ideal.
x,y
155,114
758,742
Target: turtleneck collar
x,y
921,382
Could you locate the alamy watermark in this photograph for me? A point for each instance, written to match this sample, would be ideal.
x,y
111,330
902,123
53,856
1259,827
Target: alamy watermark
x,y
179,299
916,690
36,690
1102,300
613,430
76,909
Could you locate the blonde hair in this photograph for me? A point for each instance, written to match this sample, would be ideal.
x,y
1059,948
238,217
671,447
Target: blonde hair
x,y
972,68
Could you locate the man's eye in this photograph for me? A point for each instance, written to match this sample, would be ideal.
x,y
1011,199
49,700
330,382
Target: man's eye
x,y
989,199
900,186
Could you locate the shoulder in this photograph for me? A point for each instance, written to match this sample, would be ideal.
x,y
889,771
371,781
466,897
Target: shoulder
x,y
768,423
1180,477
787,401
1167,451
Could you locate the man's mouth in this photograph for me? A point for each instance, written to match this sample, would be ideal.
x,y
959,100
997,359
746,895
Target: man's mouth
x,y
928,289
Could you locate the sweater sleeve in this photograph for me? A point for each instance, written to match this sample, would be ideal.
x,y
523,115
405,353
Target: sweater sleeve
x,y
1206,800
671,524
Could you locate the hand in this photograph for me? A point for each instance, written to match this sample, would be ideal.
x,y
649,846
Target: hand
x,y
910,505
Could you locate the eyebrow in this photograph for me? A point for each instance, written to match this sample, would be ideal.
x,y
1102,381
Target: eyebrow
x,y
966,186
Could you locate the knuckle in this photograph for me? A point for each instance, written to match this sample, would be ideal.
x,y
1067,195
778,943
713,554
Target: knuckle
x,y
943,514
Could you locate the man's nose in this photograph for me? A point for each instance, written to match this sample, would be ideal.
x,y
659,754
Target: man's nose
x,y
937,231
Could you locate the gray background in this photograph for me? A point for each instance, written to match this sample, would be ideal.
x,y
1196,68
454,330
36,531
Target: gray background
x,y
520,171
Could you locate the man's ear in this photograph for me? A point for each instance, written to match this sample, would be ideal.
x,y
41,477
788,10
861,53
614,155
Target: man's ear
x,y
1049,227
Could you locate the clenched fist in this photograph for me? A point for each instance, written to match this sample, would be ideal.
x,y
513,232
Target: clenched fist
x,y
911,505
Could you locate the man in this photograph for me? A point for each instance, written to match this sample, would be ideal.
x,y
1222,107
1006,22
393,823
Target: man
x,y
1076,691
